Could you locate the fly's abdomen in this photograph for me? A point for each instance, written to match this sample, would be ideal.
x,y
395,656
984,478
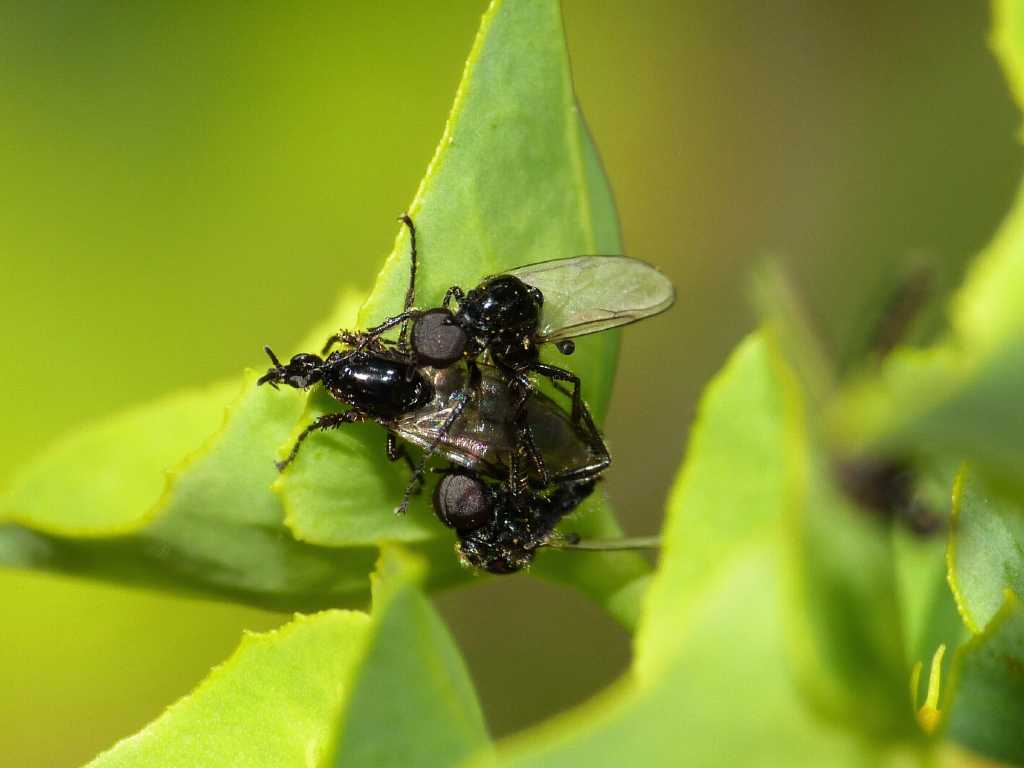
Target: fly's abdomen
x,y
380,387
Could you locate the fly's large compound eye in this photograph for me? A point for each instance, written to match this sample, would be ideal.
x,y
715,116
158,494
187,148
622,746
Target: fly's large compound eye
x,y
462,502
436,340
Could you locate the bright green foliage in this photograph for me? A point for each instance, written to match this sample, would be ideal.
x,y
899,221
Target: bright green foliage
x,y
711,682
986,550
272,703
335,688
847,632
783,623
108,479
988,687
217,528
411,700
515,179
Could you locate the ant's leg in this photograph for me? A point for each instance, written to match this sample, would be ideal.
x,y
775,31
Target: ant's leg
x,y
325,422
556,374
455,292
465,395
410,294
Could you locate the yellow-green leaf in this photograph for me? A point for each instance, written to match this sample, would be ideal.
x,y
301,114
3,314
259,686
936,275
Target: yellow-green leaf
x,y
273,703
411,701
515,179
711,684
986,550
986,703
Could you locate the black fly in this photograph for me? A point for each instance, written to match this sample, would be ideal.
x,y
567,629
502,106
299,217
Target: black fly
x,y
509,316
463,413
486,416
500,532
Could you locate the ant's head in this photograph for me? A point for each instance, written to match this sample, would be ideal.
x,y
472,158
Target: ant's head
x,y
302,371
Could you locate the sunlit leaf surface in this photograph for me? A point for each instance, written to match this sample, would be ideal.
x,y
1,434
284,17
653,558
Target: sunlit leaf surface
x,y
273,703
412,701
986,550
336,687
711,683
515,179
988,687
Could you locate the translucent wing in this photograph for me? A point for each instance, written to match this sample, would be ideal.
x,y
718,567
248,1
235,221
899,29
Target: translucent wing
x,y
587,294
482,438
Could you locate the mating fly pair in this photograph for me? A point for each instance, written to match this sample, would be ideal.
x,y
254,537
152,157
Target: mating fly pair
x,y
458,383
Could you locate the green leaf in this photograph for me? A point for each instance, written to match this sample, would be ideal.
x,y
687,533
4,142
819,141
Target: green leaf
x,y
960,397
412,701
515,179
986,550
335,687
849,654
986,706
273,703
217,527
91,506
711,683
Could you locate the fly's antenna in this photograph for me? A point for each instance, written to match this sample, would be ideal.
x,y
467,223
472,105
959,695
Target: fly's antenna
x,y
272,356
275,374
573,542
410,294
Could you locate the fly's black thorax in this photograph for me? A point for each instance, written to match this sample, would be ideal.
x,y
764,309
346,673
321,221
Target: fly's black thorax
x,y
376,384
502,314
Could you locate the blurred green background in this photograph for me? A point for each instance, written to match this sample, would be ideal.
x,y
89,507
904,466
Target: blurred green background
x,y
179,186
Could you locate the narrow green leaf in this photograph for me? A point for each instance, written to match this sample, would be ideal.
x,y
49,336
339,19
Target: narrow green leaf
x,y
273,703
986,703
711,684
412,701
986,550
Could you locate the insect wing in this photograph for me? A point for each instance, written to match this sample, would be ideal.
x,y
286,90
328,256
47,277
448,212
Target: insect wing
x,y
482,438
587,294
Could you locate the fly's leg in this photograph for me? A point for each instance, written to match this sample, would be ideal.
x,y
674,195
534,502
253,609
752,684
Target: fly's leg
x,y
396,452
581,418
525,449
465,395
452,293
556,374
363,337
321,423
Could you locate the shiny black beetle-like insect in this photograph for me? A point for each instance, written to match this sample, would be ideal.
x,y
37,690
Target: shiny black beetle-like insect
x,y
509,316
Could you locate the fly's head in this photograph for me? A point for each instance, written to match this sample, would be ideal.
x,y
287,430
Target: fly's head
x,y
302,371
